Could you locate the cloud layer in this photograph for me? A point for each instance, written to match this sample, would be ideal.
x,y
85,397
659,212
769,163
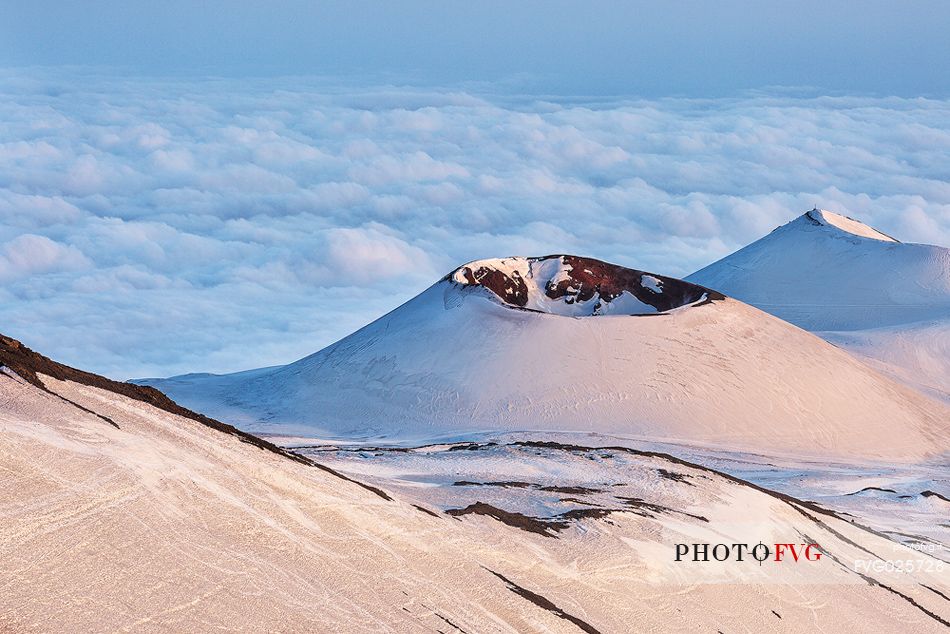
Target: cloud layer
x,y
157,227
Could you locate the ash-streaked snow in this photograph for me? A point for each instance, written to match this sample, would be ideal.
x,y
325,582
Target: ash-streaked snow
x,y
165,524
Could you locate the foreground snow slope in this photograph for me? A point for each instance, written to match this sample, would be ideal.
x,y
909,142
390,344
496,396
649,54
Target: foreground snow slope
x,y
117,515
887,301
676,363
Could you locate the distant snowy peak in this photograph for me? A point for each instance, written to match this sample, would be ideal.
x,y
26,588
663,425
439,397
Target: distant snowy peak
x,y
884,300
576,286
824,271
826,218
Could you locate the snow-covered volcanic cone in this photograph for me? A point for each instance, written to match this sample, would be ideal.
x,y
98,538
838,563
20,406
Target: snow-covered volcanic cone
x,y
886,301
824,271
563,343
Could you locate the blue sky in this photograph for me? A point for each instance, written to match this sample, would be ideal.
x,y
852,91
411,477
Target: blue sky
x,y
625,47
219,188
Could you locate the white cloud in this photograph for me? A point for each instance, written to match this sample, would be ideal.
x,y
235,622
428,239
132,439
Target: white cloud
x,y
28,255
35,211
153,227
365,255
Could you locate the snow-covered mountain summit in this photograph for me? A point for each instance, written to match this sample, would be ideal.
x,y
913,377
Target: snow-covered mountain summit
x,y
562,343
846,224
824,271
885,301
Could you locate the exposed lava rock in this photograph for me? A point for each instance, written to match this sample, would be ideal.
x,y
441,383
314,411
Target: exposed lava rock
x,y
673,475
510,288
579,280
508,484
503,484
590,276
882,490
516,520
547,526
545,604
648,509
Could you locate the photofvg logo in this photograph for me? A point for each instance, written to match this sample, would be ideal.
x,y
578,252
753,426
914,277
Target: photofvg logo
x,y
761,552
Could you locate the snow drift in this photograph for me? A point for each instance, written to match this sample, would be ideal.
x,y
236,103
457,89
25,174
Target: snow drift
x,y
573,344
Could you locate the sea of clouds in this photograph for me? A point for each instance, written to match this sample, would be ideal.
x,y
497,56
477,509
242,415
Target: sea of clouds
x,y
153,227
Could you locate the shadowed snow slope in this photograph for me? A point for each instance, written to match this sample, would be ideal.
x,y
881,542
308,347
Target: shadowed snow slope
x,y
836,276
649,357
117,515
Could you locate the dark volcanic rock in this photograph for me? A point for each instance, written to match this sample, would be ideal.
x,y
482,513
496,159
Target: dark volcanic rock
x,y
510,288
585,278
